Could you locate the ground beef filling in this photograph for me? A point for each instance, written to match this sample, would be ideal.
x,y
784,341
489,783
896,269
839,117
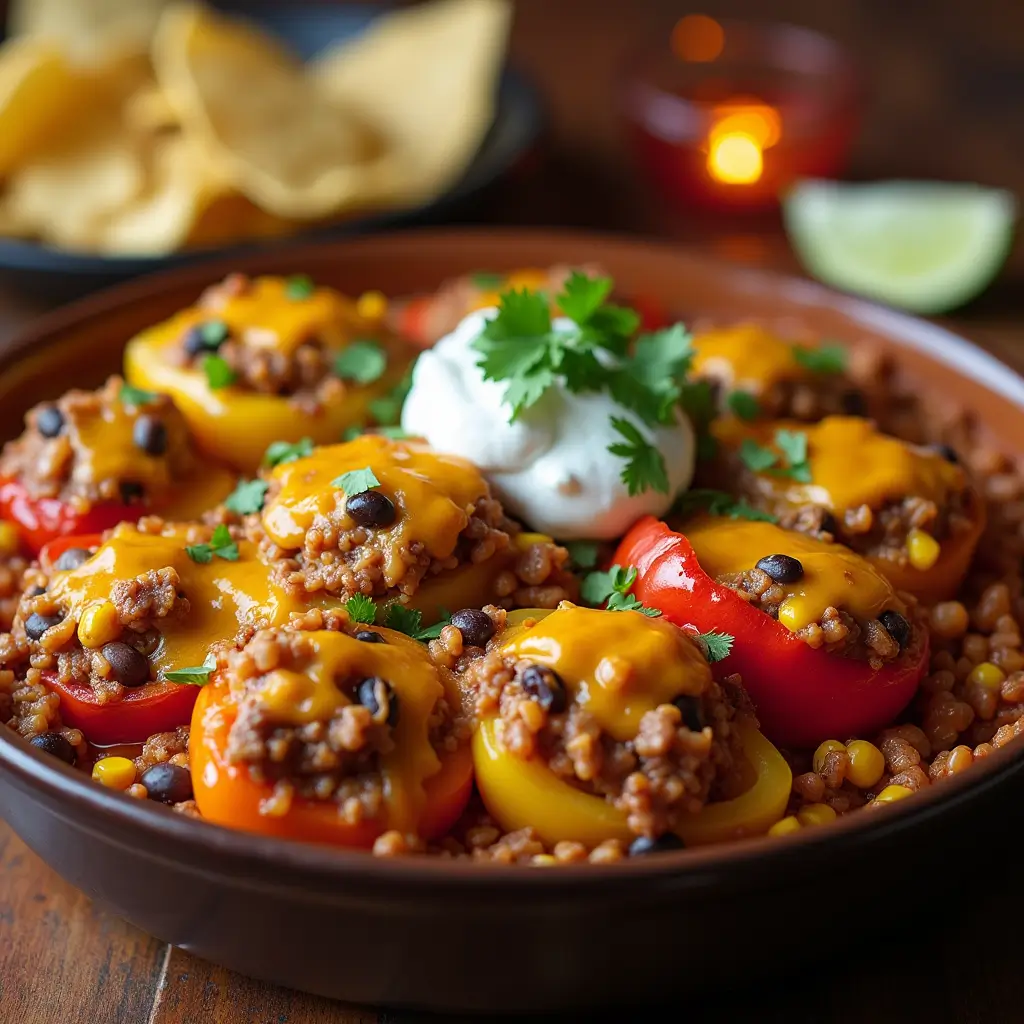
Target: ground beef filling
x,y
667,772
837,632
51,459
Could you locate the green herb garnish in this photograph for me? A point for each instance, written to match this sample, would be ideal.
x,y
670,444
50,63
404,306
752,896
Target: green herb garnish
x,y
197,675
715,644
298,287
756,457
793,444
218,372
129,395
280,452
645,465
719,503
361,609
410,622
221,545
387,411
486,281
363,361
824,359
355,481
614,588
743,405
213,333
583,553
247,497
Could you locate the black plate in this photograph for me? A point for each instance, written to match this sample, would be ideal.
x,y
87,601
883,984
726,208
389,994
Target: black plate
x,y
307,29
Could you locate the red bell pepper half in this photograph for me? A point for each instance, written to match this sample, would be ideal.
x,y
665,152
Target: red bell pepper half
x,y
802,696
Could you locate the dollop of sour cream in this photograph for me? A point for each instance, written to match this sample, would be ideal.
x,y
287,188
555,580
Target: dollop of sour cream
x,y
552,466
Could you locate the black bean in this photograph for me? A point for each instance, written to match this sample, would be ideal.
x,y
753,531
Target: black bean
x,y
781,568
643,845
206,337
36,625
948,452
368,636
371,508
128,667
475,626
54,743
150,434
854,402
72,558
378,695
35,591
896,626
545,686
693,713
168,783
193,342
130,491
49,421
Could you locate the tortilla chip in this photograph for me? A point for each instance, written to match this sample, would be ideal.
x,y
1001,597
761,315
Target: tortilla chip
x,y
149,112
284,145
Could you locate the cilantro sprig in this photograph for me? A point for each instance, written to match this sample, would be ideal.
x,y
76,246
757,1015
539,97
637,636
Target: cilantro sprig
x,y
355,481
645,466
583,553
131,395
614,587
218,372
280,452
222,545
363,361
410,622
714,644
247,497
720,503
828,358
298,287
361,609
743,405
793,446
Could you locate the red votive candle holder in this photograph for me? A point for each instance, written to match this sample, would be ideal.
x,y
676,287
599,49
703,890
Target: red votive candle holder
x,y
726,115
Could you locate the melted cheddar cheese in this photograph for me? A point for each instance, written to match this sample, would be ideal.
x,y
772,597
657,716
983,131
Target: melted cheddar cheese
x,y
617,665
833,575
224,596
746,357
433,495
338,663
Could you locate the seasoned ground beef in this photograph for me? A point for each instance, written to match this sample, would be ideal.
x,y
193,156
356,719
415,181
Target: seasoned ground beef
x,y
97,446
12,574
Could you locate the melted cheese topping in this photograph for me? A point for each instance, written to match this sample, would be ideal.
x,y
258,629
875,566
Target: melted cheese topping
x,y
852,464
618,665
833,575
746,357
223,596
433,495
339,662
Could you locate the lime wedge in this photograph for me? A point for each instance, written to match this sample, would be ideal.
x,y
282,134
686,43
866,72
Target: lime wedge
x,y
924,246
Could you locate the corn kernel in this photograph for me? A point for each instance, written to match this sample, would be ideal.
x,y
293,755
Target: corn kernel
x,y
892,793
823,751
816,814
99,624
922,549
526,540
987,675
866,763
372,305
114,772
10,541
785,826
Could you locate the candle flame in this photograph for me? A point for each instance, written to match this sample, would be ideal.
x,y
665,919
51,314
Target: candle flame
x,y
740,133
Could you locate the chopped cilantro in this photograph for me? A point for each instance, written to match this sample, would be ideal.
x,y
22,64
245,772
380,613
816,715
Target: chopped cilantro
x,y
650,381
355,481
361,609
715,644
719,503
394,433
221,545
247,497
363,361
410,622
756,457
387,411
298,287
218,372
614,588
827,358
744,405
129,395
645,465
583,553
213,333
280,452
486,281
197,675
793,444
351,433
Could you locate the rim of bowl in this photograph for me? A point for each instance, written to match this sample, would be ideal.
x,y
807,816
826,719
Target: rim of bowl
x,y
39,771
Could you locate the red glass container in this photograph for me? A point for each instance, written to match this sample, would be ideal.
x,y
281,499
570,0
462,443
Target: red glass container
x,y
726,115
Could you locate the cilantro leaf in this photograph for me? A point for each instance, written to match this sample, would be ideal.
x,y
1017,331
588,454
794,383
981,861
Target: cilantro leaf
x,y
645,466
221,545
744,405
387,410
247,497
697,400
614,588
582,296
628,603
434,631
355,481
130,395
714,644
486,281
197,675
361,609
651,380
218,372
409,621
793,444
583,299
363,361
756,457
524,392
299,286
583,553
828,358
719,503
280,452
213,333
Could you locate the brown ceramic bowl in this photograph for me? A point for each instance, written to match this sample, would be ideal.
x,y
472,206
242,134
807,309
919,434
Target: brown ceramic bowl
x,y
458,936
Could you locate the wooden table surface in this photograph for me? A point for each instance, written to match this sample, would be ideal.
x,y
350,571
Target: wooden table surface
x,y
946,81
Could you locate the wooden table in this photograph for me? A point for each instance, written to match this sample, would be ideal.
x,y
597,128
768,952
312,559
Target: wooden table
x,y
947,99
